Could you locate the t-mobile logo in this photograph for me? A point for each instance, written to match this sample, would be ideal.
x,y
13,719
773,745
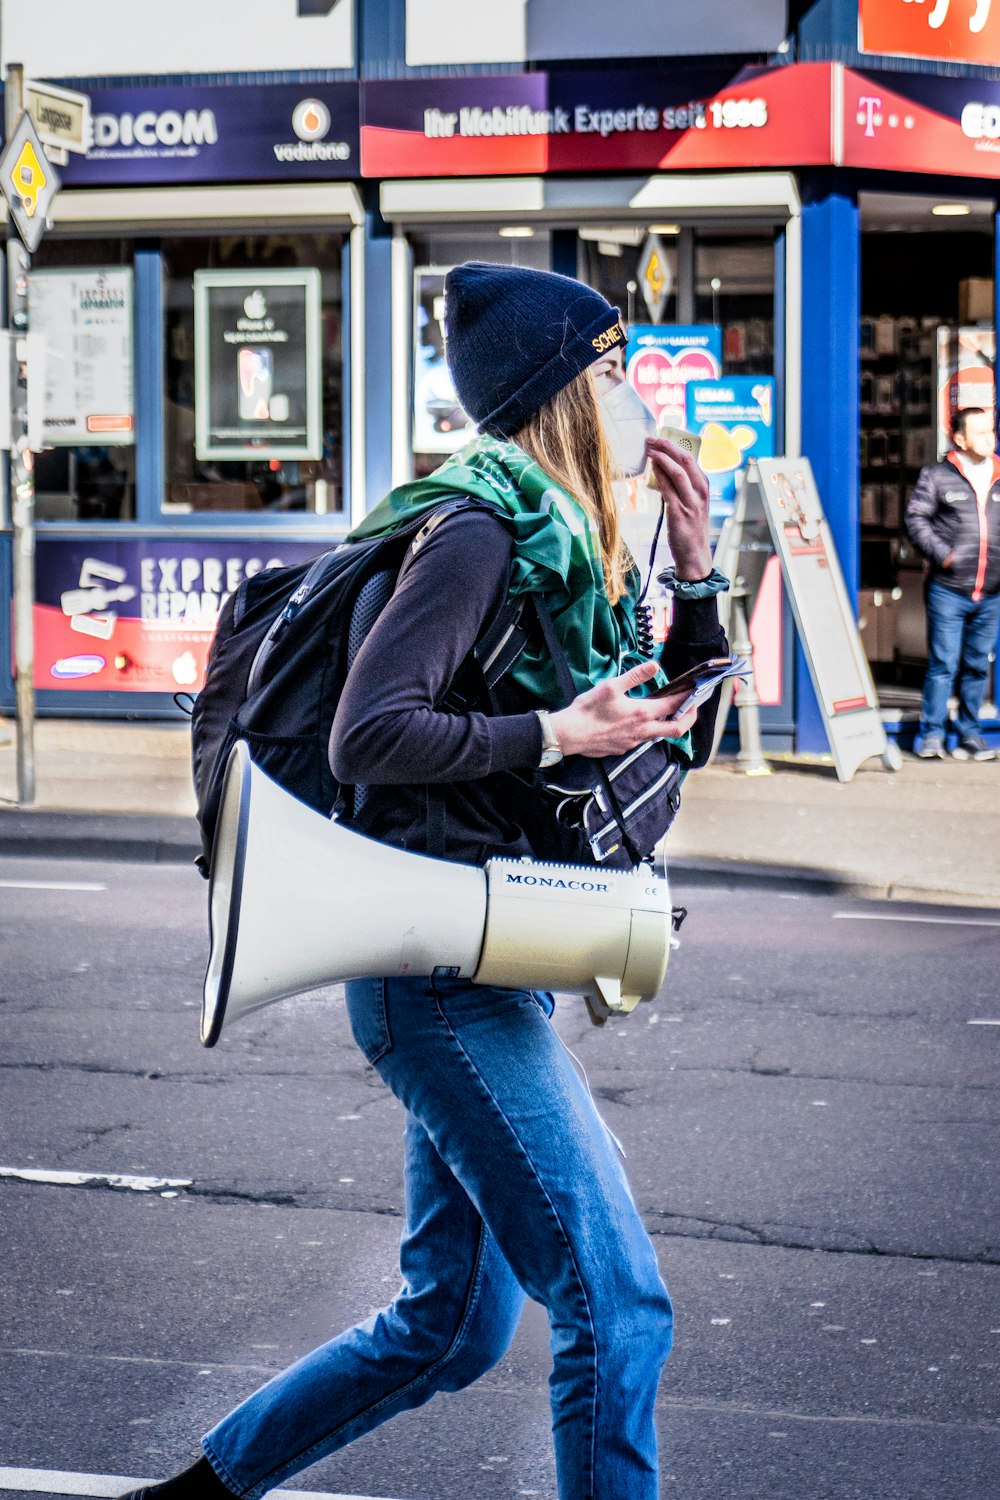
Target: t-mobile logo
x,y
870,112
977,20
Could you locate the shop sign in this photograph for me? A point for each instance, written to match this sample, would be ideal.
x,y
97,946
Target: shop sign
x,y
953,30
85,317
919,122
592,122
246,133
104,38
783,490
660,360
453,31
258,365
440,425
734,418
136,615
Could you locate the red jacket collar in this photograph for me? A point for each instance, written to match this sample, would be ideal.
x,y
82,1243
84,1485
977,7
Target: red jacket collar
x,y
954,457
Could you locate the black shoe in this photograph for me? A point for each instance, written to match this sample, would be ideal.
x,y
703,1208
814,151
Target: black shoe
x,y
973,747
200,1482
932,748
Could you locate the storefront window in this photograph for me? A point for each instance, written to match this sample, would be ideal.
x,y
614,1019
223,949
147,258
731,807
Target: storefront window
x,y
609,262
439,425
734,288
261,403
927,347
86,475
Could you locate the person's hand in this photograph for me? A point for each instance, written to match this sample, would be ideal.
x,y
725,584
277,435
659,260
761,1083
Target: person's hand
x,y
684,488
949,560
605,721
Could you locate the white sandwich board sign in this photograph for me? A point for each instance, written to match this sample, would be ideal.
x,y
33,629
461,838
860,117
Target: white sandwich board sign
x,y
779,509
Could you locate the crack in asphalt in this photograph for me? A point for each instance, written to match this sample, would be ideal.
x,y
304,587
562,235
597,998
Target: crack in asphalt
x,y
660,1223
372,1084
151,1075
700,1227
779,1070
157,1075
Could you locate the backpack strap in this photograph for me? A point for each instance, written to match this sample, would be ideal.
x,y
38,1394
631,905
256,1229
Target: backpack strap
x,y
568,690
494,654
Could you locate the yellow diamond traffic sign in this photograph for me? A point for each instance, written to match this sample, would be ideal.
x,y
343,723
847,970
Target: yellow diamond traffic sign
x,y
655,276
28,181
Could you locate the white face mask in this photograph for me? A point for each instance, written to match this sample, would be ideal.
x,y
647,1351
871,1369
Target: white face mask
x,y
628,422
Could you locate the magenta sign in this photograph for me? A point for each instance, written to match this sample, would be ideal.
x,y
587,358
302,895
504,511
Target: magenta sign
x,y
661,359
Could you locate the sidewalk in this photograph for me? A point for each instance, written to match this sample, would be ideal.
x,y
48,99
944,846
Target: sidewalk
x,y
929,832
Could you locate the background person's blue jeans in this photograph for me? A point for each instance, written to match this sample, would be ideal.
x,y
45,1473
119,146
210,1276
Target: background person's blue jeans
x,y
513,1185
961,633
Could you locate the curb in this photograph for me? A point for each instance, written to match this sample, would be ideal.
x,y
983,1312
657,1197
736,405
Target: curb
x,y
702,874
171,840
99,836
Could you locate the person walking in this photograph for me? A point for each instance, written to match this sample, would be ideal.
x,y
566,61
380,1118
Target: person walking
x,y
514,1185
953,519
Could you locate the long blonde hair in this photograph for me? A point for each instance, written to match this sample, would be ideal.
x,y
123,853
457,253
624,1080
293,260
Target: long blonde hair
x,y
566,439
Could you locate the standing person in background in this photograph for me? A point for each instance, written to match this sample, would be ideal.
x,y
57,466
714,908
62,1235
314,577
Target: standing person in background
x,y
953,519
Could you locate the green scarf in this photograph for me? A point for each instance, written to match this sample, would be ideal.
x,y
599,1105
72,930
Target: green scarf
x,y
556,553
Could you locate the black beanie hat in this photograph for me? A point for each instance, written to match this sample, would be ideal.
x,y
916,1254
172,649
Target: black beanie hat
x,y
515,337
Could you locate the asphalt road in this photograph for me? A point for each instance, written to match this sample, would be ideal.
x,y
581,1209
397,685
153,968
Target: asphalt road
x,y
811,1128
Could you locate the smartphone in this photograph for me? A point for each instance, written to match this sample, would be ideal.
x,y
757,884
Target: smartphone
x,y
701,681
690,442
255,374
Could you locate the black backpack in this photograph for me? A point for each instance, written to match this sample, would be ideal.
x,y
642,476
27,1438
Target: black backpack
x,y
284,644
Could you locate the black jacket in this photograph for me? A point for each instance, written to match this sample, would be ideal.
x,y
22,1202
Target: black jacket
x,y
391,736
944,516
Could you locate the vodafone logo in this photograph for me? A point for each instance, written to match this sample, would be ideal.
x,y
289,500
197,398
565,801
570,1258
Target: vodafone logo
x,y
311,120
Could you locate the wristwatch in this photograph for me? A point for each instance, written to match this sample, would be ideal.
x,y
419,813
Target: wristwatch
x,y
551,749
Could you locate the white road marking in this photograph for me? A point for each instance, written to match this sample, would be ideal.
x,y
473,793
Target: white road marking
x,y
887,916
65,1482
982,1023
81,1179
139,1359
51,885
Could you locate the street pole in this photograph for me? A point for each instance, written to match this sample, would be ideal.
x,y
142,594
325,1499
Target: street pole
x,y
22,479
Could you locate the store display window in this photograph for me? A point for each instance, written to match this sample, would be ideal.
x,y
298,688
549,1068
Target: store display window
x,y
927,346
734,288
439,425
253,389
81,298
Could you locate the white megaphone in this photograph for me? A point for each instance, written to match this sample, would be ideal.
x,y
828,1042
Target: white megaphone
x,y
297,901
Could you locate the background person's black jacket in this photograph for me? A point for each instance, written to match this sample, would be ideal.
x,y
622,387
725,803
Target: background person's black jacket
x,y
944,516
390,736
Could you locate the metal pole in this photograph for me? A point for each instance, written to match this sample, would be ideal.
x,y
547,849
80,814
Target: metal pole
x,y
22,479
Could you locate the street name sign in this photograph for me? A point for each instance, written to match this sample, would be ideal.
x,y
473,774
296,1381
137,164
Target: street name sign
x,y
29,182
61,116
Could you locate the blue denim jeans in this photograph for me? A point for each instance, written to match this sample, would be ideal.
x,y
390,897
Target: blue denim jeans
x,y
961,633
513,1187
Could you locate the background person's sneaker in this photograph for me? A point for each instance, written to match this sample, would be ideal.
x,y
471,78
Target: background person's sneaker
x,y
931,748
973,747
